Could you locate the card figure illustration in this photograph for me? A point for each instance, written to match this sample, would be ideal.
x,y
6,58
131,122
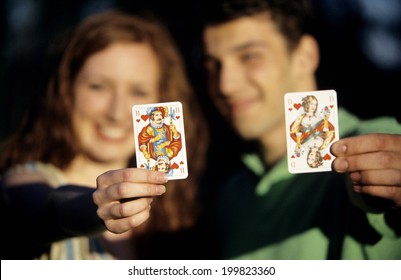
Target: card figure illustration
x,y
160,138
311,128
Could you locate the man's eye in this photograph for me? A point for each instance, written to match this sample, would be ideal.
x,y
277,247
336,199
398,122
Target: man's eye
x,y
249,57
212,65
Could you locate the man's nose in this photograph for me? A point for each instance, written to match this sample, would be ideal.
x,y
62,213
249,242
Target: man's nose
x,y
230,79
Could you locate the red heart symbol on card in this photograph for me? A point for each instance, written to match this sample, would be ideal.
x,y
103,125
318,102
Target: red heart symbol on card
x,y
138,120
292,156
327,157
177,117
290,109
297,105
181,162
174,166
142,166
331,106
145,117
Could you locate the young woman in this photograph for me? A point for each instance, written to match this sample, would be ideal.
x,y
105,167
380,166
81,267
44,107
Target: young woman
x,y
83,128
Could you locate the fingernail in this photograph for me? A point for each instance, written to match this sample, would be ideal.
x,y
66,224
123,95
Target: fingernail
x,y
355,177
357,188
162,177
340,149
161,189
342,165
343,148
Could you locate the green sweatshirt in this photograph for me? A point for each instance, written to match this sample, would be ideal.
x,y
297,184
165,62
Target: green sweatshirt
x,y
272,214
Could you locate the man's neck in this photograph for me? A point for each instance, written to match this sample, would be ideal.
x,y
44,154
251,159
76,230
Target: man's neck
x,y
274,145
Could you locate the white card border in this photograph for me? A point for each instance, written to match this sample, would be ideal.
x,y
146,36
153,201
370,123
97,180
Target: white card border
x,y
184,148
289,139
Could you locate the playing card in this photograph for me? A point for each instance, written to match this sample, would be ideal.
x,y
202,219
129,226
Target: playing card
x,y
160,138
311,128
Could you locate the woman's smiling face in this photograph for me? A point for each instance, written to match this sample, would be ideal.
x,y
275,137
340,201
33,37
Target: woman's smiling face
x,y
109,83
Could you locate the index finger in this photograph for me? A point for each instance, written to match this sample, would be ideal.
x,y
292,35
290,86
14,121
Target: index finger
x,y
133,175
366,144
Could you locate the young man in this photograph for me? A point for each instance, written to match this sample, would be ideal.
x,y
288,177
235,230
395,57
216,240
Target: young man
x,y
256,51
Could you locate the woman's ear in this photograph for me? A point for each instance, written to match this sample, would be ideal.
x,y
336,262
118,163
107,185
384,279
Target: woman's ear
x,y
307,53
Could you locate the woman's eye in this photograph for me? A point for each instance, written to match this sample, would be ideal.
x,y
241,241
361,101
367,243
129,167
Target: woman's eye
x,y
97,86
139,93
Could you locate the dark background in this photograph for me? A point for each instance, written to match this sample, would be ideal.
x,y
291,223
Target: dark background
x,y
360,49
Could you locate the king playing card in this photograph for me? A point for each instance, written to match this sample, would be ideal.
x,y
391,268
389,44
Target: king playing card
x,y
311,128
160,138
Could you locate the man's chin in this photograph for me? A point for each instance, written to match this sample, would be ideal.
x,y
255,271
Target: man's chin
x,y
247,132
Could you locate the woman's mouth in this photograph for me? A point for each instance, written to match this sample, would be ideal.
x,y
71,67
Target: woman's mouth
x,y
112,133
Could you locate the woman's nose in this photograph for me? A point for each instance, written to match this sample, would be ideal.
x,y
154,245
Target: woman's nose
x,y
119,107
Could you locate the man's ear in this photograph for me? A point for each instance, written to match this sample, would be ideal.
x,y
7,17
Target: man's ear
x,y
307,54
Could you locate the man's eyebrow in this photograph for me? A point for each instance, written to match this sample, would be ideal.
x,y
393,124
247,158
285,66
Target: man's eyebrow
x,y
239,48
247,45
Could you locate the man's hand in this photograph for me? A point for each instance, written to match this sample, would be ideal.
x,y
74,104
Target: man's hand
x,y
124,196
373,162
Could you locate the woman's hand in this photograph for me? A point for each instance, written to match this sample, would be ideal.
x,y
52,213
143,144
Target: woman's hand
x,y
124,196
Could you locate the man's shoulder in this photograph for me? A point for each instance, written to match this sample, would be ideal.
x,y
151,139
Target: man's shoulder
x,y
350,124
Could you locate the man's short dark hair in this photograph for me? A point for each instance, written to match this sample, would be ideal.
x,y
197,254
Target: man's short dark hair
x,y
291,16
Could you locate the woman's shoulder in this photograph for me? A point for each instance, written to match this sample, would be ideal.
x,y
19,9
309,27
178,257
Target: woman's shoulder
x,y
34,172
